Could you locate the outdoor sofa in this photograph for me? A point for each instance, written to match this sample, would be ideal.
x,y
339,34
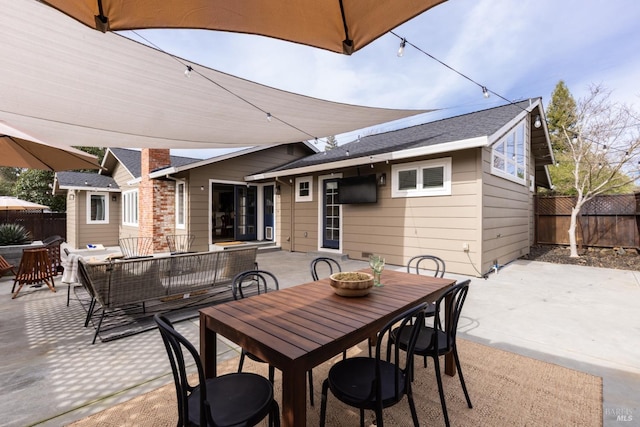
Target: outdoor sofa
x,y
118,284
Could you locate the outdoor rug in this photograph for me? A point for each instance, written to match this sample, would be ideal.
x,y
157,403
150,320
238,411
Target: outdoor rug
x,y
505,388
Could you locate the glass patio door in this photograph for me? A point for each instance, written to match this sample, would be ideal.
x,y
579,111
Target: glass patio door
x,y
330,214
246,212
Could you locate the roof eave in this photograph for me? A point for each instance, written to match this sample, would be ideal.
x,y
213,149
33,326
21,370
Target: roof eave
x,y
365,160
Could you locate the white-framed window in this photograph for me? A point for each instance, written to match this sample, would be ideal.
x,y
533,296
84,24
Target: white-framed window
x,y
304,189
130,208
181,204
420,179
509,156
97,208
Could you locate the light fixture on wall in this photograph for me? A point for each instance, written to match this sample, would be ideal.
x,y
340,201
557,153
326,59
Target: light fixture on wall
x,y
72,196
382,180
202,188
114,198
537,123
278,190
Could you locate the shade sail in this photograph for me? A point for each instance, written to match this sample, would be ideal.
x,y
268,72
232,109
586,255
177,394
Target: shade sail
x,y
343,26
66,83
17,149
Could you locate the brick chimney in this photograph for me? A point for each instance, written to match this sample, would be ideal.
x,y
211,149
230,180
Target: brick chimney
x,y
156,217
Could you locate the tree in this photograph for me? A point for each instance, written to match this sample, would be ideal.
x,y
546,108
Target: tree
x,y
8,178
561,114
600,145
331,143
96,151
35,185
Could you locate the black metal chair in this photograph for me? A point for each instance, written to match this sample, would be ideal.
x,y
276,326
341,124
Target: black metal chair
x,y
324,263
438,267
180,243
372,382
228,400
436,342
437,263
255,282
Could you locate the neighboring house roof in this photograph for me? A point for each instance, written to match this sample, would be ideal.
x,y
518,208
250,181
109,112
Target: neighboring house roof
x,y
477,129
84,181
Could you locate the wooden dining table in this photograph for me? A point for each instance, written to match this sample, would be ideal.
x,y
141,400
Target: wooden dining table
x,y
298,328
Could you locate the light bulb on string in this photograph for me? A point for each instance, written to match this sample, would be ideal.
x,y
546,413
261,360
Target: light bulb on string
x,y
485,92
187,72
403,42
269,117
537,123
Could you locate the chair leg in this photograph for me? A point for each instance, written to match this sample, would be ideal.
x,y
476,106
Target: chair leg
x,y
361,417
98,328
323,402
379,419
18,291
436,364
412,407
274,415
464,386
92,306
241,361
272,374
310,375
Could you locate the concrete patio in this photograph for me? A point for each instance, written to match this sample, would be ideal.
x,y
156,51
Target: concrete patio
x,y
582,318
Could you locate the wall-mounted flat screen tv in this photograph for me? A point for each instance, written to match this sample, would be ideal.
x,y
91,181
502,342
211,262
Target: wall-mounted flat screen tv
x,y
358,189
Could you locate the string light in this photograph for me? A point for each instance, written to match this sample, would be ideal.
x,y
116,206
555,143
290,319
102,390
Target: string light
x,y
485,92
537,123
403,43
188,71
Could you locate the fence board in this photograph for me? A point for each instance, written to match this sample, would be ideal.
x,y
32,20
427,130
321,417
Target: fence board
x,y
40,224
605,221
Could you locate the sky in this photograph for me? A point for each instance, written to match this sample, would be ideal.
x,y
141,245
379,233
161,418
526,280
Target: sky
x,y
517,49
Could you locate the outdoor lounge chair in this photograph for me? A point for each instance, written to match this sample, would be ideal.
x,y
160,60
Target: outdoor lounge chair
x,y
6,267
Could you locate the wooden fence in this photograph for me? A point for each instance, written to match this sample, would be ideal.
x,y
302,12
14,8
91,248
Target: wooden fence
x,y
605,221
40,224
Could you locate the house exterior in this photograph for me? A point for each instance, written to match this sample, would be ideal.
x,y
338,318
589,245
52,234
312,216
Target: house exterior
x,y
460,188
149,193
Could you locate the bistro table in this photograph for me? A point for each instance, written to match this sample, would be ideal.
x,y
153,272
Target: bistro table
x,y
297,328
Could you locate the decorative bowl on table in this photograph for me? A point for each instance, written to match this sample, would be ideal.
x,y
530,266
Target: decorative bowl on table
x,y
351,284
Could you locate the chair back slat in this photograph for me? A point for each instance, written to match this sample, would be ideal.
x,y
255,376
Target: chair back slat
x,y
322,263
451,315
422,261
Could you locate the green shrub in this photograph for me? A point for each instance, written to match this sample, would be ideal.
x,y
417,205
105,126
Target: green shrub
x,y
14,234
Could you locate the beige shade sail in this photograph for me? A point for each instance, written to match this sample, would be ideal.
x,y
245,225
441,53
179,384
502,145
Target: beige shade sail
x,y
65,83
14,204
17,149
342,26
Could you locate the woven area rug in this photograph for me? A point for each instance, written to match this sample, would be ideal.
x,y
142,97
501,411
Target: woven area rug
x,y
505,389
